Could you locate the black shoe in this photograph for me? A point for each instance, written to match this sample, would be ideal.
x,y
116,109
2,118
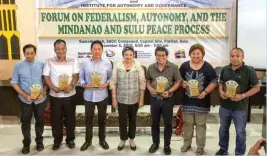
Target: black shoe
x,y
56,147
222,152
71,144
133,148
25,149
40,147
167,150
86,145
153,148
120,148
121,145
104,144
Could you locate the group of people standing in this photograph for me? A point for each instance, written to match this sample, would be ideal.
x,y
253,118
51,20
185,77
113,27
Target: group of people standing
x,y
127,82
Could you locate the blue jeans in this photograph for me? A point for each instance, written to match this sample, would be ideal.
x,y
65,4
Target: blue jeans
x,y
240,118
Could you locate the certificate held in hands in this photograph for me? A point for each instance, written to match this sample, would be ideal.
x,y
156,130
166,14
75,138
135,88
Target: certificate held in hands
x,y
96,79
35,90
63,81
231,88
193,86
162,83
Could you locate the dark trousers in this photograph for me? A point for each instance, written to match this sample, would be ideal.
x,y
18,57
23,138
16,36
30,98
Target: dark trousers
x,y
62,112
89,116
127,112
27,110
162,108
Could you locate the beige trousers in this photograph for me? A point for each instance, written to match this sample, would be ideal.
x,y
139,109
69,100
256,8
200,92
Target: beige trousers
x,y
198,120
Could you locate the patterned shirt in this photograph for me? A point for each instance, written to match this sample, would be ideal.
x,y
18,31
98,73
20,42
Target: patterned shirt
x,y
171,72
54,68
128,84
205,75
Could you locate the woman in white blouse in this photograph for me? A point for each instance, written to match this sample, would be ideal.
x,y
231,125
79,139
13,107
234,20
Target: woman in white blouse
x,y
128,85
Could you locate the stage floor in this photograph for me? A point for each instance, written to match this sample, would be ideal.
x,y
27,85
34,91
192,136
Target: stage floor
x,y
10,142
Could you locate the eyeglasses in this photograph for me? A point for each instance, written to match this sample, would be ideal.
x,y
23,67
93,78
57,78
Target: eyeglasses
x,y
161,55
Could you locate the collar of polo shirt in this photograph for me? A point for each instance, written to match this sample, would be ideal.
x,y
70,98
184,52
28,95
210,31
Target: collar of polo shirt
x,y
230,66
167,64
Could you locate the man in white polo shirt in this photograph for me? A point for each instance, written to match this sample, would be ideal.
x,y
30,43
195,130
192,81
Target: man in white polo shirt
x,y
61,75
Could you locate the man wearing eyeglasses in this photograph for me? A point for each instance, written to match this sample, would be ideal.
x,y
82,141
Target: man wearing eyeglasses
x,y
163,78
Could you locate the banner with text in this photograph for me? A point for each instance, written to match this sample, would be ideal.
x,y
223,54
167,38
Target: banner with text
x,y
176,24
